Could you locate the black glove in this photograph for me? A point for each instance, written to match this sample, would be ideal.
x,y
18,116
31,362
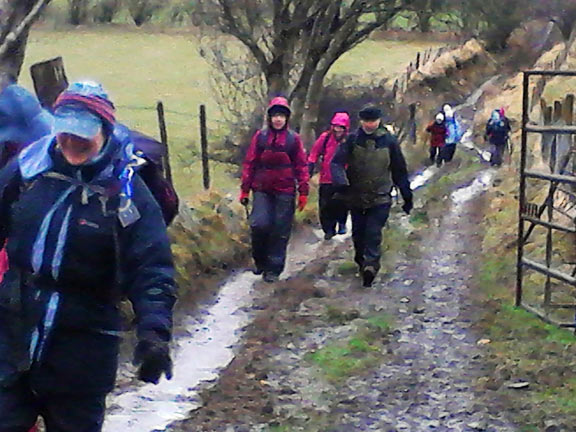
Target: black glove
x,y
244,201
407,206
153,359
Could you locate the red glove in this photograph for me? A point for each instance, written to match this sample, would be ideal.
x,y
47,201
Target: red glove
x,y
244,198
302,201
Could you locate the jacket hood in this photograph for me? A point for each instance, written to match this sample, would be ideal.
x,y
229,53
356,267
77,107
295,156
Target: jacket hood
x,y
279,102
341,119
496,116
22,119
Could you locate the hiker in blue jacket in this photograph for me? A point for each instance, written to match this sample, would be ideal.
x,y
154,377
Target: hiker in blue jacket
x,y
82,231
453,133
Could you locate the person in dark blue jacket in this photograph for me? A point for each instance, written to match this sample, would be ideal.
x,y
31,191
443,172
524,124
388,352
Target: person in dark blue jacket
x,y
497,132
82,232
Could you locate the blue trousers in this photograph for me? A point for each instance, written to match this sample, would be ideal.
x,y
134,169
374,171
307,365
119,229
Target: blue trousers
x,y
271,224
367,227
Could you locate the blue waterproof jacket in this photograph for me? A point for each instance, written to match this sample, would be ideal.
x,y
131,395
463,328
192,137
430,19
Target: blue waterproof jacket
x,y
79,239
454,131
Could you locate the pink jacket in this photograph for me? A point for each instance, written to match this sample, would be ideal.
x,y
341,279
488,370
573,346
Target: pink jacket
x,y
326,146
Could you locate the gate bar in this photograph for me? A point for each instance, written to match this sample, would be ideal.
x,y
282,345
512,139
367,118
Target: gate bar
x,y
549,271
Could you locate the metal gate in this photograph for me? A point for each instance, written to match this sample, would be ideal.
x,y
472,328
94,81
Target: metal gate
x,y
540,221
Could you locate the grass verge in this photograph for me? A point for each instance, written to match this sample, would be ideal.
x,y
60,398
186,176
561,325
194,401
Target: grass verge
x,y
523,347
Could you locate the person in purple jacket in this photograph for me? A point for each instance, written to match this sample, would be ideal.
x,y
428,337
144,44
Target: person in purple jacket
x,y
274,169
332,213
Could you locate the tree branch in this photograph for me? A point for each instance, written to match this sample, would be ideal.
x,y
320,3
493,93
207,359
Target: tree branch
x,y
24,25
242,34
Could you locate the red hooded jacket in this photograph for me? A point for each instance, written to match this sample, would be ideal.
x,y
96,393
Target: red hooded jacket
x,y
326,146
278,164
438,133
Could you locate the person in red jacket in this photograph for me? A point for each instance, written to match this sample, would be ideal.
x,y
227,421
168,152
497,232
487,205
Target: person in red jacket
x,y
331,213
274,169
437,130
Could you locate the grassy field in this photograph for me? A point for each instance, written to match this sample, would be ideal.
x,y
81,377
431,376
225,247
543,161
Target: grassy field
x,y
140,68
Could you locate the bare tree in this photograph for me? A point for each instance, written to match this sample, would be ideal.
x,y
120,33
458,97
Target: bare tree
x,y
16,18
294,43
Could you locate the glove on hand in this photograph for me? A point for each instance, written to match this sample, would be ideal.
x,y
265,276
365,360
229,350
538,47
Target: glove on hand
x,y
302,201
244,198
407,207
154,360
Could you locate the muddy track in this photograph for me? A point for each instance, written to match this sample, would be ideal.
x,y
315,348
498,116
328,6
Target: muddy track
x,y
426,379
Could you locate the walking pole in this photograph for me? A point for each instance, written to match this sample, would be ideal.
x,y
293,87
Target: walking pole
x,y
510,150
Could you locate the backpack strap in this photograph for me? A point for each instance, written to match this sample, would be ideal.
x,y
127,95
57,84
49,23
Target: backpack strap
x,y
290,147
324,145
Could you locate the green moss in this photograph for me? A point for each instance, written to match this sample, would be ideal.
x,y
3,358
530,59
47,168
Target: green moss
x,y
419,218
381,321
348,268
341,360
358,353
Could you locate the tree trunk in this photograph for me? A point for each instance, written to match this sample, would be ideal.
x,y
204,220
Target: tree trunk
x,y
424,17
298,102
11,16
277,78
11,62
312,108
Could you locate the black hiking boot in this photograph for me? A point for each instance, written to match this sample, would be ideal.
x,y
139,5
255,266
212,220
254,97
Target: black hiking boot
x,y
257,271
270,277
368,275
342,229
328,236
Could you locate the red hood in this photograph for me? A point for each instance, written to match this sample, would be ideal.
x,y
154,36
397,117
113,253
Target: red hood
x,y
341,119
279,101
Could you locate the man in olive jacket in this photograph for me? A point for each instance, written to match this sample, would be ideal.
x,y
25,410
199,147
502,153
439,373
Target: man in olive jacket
x,y
366,167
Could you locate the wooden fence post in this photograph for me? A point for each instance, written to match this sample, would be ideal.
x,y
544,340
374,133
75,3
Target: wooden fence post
x,y
166,168
49,79
204,144
568,109
412,127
